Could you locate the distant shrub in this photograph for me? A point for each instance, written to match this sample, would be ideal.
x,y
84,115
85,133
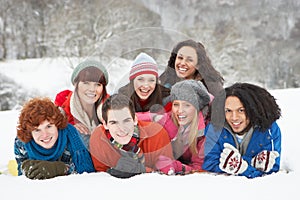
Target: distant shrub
x,y
12,95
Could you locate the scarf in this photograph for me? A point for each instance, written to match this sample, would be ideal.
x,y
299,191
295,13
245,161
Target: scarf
x,y
243,144
79,114
131,146
67,138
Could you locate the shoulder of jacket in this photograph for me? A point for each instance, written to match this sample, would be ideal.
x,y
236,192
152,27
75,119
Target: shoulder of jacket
x,y
149,129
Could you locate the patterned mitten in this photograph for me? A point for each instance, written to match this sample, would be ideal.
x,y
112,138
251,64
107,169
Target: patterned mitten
x,y
265,160
231,160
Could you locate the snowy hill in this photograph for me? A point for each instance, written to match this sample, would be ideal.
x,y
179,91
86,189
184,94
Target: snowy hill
x,y
52,77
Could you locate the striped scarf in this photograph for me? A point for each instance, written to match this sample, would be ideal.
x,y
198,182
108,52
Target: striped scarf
x,y
131,146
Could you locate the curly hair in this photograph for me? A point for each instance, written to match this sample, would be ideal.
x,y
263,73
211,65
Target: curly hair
x,y
261,107
34,112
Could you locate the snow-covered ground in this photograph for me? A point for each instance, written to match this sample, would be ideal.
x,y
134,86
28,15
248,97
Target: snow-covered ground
x,y
50,76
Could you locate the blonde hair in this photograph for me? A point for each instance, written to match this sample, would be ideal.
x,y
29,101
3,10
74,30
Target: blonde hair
x,y
193,132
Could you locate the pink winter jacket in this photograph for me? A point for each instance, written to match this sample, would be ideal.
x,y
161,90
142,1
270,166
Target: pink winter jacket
x,y
192,162
167,122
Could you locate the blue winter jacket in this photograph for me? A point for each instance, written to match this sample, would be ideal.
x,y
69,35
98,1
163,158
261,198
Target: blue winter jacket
x,y
269,140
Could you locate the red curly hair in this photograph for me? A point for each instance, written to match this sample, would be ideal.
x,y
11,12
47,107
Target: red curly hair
x,y
36,111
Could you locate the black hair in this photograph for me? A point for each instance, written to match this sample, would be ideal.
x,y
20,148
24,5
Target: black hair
x,y
205,70
116,102
260,106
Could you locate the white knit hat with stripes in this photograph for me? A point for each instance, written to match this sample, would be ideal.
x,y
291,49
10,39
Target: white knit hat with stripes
x,y
143,64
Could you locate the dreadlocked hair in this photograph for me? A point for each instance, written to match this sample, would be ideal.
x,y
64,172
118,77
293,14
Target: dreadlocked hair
x,y
261,107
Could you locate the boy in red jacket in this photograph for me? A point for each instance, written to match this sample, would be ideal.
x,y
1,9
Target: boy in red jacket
x,y
124,146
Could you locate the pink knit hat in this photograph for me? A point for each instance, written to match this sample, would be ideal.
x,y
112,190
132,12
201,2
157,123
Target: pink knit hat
x,y
143,64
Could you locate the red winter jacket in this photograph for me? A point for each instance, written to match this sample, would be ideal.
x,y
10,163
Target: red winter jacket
x,y
63,98
154,141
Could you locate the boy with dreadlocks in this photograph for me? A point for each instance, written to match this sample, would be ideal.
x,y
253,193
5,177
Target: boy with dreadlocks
x,y
250,142
124,146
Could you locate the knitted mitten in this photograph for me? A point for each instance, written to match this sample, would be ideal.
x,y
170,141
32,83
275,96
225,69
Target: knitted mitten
x,y
265,160
231,160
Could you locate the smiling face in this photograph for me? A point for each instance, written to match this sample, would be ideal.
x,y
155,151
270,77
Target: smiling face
x,y
120,124
89,92
45,134
183,112
185,63
144,85
235,114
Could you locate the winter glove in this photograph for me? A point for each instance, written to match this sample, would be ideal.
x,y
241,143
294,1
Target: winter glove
x,y
40,169
157,108
128,165
265,160
170,167
157,113
231,160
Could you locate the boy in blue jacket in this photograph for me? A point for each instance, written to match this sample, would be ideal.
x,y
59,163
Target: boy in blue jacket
x,y
250,142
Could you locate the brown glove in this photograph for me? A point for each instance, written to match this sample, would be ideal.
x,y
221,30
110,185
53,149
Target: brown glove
x,y
41,169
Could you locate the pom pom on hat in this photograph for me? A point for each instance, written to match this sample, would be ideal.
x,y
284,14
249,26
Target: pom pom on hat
x,y
85,64
191,91
143,64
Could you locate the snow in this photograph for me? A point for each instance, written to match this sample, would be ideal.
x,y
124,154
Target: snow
x,y
50,76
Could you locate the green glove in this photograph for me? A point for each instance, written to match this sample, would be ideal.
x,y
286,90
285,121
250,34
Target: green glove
x,y
40,169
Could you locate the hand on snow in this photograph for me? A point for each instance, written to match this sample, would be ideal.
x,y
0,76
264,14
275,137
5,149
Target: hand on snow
x,y
40,169
231,160
265,160
170,167
128,165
